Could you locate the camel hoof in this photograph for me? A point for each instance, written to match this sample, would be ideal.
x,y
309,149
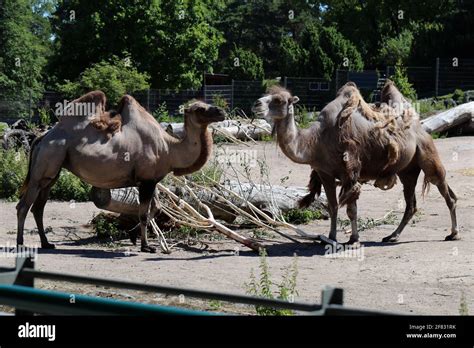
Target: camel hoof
x,y
453,237
133,238
391,239
47,246
354,244
148,249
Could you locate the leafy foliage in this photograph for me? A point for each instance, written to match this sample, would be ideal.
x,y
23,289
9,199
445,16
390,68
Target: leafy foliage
x,y
264,286
70,188
13,166
401,81
397,49
115,78
170,40
23,54
106,227
302,216
244,65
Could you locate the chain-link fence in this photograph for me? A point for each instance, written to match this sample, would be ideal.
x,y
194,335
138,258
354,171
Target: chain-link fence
x,y
442,77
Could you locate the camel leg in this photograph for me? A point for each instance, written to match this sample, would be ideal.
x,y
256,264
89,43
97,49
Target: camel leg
x,y
435,173
22,209
329,184
38,209
409,180
146,192
352,214
450,199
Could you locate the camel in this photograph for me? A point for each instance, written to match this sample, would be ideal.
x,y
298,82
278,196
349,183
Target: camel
x,y
353,143
140,154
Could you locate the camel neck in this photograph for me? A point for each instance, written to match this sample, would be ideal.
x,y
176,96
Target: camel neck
x,y
296,143
192,152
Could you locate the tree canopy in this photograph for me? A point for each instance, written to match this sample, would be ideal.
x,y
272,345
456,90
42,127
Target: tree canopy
x,y
171,44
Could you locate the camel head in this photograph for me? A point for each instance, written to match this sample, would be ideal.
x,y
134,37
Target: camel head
x,y
277,104
202,114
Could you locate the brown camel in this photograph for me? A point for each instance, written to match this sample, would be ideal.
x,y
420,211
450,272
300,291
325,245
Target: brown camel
x,y
140,154
352,143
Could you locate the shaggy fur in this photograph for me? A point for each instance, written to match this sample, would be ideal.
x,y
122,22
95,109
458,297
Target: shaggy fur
x,y
353,142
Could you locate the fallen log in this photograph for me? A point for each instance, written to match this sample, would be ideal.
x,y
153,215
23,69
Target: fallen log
x,y
241,129
452,118
272,200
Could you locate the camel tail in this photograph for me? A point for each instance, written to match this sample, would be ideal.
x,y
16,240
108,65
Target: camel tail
x,y
314,188
425,189
24,187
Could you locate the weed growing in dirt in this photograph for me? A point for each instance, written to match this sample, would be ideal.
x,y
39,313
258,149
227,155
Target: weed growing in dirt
x,y
368,223
302,216
215,305
264,287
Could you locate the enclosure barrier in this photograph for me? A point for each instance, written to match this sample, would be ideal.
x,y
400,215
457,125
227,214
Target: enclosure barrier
x,y
17,290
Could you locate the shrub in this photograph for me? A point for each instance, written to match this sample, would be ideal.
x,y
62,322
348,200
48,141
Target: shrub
x,y
161,113
302,216
220,101
13,168
70,187
115,78
106,226
400,79
458,96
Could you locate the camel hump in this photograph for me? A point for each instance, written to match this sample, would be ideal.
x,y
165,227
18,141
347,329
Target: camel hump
x,y
124,101
97,97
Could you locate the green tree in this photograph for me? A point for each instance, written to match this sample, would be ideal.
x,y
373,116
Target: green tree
x,y
170,40
293,58
319,52
23,54
115,78
396,49
244,65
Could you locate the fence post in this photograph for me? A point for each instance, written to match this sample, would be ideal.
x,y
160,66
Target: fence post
x,y
24,262
284,81
232,96
437,77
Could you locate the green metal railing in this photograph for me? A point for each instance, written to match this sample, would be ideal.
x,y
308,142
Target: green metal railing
x,y
17,290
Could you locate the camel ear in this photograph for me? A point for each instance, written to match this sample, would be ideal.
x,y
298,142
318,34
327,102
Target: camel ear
x,y
294,100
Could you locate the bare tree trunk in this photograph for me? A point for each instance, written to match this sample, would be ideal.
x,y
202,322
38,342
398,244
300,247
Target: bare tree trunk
x,y
452,118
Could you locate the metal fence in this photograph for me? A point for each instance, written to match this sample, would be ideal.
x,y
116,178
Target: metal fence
x,y
442,77
17,290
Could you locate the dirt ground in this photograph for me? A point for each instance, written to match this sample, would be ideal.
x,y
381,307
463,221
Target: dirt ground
x,y
421,274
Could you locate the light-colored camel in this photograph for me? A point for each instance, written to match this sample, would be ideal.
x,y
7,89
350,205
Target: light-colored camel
x,y
352,142
140,154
